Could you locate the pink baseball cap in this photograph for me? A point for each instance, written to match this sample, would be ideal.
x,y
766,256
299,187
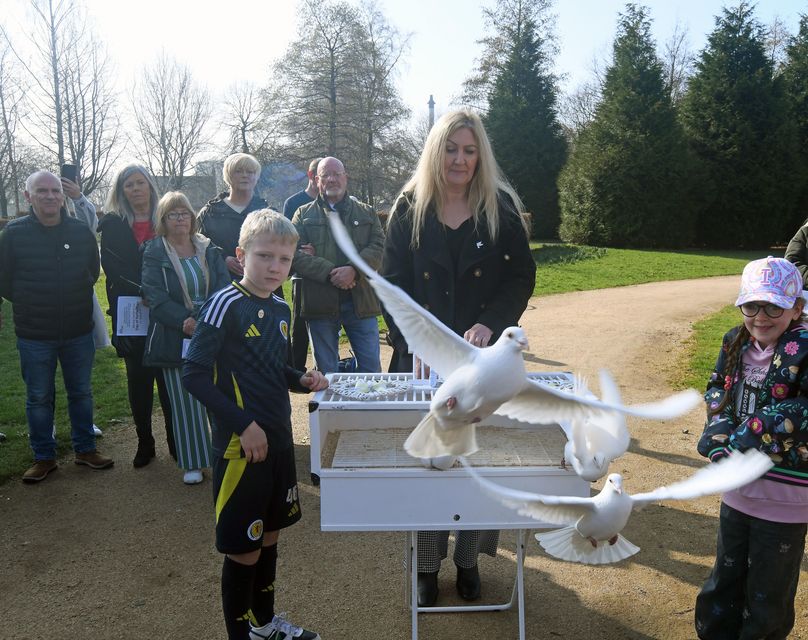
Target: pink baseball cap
x,y
773,280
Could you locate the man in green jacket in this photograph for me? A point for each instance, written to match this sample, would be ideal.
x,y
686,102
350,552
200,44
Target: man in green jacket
x,y
335,294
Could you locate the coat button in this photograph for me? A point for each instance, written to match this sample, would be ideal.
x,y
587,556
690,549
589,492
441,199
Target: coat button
x,y
482,306
478,272
426,275
507,257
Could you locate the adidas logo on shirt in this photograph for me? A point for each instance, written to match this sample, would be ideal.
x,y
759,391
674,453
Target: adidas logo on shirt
x,y
252,332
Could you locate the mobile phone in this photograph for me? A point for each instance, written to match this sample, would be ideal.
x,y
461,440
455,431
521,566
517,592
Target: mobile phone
x,y
70,171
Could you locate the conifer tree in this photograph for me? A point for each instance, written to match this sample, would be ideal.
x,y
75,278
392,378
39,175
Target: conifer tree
x,y
626,183
795,80
735,119
523,125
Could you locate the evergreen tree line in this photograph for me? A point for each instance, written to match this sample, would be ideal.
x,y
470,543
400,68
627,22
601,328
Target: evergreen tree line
x,y
724,166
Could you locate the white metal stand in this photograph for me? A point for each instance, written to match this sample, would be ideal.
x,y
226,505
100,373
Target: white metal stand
x,y
517,594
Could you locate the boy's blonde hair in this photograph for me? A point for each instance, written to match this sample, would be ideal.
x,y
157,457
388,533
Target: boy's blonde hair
x,y
266,221
170,201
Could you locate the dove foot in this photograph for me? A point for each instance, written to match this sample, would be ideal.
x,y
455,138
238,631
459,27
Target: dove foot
x,y
593,542
427,589
563,463
468,583
613,539
451,402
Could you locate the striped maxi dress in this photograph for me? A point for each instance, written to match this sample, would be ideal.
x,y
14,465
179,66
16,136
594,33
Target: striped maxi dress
x,y
191,430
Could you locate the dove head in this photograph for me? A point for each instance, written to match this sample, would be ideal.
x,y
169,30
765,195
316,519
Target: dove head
x,y
615,482
515,338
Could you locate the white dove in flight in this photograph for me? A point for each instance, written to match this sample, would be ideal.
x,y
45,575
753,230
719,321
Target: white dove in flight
x,y
595,439
593,525
481,381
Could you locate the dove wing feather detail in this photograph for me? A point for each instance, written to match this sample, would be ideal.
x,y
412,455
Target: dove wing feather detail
x,y
614,425
437,345
730,473
550,509
539,403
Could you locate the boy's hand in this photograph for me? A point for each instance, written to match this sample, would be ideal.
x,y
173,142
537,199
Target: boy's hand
x,y
314,380
254,442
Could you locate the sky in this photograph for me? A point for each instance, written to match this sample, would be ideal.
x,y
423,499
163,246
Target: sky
x,y
237,40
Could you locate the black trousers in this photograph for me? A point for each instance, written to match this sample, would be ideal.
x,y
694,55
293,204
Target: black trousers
x,y
140,384
750,592
299,341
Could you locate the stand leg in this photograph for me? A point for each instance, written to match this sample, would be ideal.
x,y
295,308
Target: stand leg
x,y
520,579
414,582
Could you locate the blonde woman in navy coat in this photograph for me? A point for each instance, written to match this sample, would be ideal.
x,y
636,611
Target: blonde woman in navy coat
x,y
457,242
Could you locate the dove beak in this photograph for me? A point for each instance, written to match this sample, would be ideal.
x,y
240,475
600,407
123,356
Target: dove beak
x,y
524,344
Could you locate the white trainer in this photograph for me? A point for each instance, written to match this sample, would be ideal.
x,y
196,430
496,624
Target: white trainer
x,y
194,476
281,629
98,433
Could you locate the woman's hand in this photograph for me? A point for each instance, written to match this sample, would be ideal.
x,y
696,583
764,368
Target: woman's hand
x,y
314,380
421,369
254,442
234,266
479,335
188,326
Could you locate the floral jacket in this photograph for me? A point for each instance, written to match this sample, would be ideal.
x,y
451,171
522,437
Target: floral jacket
x,y
779,426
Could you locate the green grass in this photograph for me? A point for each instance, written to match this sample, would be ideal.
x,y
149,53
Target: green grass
x,y
701,350
562,268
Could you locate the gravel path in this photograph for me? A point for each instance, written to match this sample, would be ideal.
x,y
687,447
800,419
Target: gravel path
x,y
129,553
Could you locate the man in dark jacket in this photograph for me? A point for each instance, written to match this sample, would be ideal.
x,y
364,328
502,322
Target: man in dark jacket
x,y
335,294
299,342
48,265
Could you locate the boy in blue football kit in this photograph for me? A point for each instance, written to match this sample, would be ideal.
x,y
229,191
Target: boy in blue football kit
x,y
236,366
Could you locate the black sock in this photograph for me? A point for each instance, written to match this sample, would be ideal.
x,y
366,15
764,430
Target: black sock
x,y
263,597
237,587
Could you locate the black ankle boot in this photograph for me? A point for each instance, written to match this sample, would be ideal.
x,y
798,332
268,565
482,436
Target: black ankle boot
x,y
468,583
427,589
143,456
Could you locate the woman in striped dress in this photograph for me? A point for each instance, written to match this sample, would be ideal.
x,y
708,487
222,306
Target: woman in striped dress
x,y
181,268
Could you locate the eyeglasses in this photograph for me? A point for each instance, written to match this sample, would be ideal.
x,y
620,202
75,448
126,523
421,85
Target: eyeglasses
x,y
751,309
327,176
179,215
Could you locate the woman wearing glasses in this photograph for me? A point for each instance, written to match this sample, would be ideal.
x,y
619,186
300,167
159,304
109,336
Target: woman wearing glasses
x,y
181,268
457,243
131,215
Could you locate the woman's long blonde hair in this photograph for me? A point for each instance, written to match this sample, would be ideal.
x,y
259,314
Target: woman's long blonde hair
x,y
427,187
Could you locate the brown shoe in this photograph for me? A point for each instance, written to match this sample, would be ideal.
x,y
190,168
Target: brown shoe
x,y
94,460
39,471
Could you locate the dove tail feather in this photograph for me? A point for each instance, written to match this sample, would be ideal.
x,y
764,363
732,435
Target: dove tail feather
x,y
427,441
567,544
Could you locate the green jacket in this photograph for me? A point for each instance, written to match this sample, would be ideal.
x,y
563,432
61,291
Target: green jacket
x,y
319,299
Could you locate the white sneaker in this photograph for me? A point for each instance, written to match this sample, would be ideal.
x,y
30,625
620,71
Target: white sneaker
x,y
194,476
96,431
281,629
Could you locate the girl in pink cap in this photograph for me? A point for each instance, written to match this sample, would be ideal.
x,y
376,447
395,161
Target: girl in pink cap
x,y
756,399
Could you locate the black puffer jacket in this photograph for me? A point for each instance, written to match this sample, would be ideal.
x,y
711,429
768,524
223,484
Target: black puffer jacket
x,y
48,274
222,224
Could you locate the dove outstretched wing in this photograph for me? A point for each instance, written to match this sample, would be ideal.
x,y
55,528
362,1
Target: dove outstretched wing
x,y
727,474
437,345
